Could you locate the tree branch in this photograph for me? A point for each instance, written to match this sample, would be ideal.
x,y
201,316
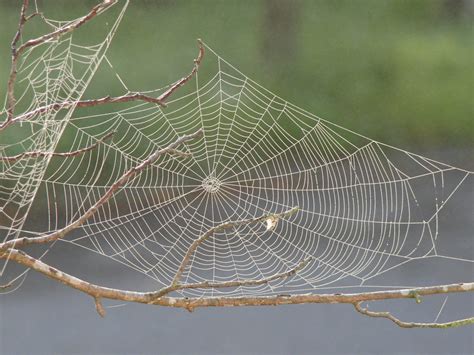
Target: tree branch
x,y
36,154
20,242
71,26
402,324
100,292
184,80
227,225
84,103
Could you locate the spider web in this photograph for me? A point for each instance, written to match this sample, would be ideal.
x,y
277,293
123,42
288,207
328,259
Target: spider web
x,y
365,207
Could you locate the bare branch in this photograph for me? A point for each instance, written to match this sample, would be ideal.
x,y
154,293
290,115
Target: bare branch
x,y
71,26
227,225
179,153
134,96
96,291
20,242
184,80
83,103
21,23
16,52
36,154
234,283
402,324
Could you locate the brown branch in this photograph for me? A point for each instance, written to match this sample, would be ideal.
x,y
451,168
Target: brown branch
x,y
402,324
100,292
184,80
233,283
21,24
134,96
227,225
73,25
83,103
16,52
36,154
127,176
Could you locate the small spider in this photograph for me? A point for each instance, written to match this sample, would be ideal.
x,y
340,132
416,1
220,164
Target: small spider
x,y
271,223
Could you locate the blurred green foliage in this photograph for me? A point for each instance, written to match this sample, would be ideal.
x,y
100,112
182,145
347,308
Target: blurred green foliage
x,y
399,71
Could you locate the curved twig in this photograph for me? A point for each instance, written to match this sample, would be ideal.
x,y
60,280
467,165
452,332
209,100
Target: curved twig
x,y
227,225
234,283
184,80
403,324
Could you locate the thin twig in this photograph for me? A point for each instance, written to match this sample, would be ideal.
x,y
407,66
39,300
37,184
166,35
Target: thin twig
x,y
13,68
233,283
403,324
99,307
227,225
184,80
71,26
38,153
7,285
127,176
134,96
21,24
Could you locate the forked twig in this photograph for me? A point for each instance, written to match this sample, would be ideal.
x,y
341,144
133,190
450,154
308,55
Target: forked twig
x,y
233,283
227,225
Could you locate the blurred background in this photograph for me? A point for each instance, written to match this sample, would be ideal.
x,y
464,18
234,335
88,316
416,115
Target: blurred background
x,y
398,71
